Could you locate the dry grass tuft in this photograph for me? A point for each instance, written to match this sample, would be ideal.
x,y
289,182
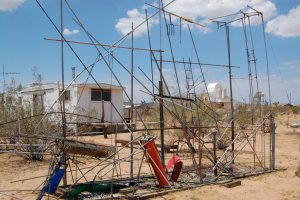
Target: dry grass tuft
x,y
297,173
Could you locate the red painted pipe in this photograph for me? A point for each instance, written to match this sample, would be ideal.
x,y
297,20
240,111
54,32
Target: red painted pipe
x,y
155,161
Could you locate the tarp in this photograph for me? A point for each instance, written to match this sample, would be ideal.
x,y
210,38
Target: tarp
x,y
94,188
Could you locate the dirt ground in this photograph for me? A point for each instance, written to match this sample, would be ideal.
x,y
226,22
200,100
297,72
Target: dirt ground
x,y
282,184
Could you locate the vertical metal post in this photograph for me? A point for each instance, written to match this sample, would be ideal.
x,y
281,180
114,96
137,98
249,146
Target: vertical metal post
x,y
272,132
131,109
161,118
3,82
151,61
161,114
62,67
272,125
215,151
161,102
231,95
63,85
19,130
200,156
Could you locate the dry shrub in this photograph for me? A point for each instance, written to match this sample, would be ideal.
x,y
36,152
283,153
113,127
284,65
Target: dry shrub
x,y
297,173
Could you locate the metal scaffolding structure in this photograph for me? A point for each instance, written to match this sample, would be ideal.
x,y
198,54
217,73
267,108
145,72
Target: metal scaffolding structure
x,y
198,144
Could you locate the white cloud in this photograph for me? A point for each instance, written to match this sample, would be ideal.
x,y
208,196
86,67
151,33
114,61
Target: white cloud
x,y
136,17
293,65
291,62
200,11
70,32
10,5
207,9
286,25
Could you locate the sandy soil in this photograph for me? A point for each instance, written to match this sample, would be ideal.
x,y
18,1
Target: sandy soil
x,y
282,184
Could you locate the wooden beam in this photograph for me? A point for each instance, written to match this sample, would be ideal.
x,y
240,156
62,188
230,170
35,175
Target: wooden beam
x,y
232,184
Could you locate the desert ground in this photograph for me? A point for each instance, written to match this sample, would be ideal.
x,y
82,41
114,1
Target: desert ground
x,y
281,184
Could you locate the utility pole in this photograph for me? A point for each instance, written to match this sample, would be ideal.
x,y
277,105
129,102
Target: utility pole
x,y
3,76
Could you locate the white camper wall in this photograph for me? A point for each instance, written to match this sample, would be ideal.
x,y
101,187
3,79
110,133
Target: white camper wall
x,y
86,105
80,101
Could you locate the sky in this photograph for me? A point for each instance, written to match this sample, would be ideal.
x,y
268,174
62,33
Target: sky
x,y
23,46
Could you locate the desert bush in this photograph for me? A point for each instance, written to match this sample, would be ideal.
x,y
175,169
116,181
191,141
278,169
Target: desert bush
x,y
224,142
34,152
297,173
19,126
21,121
295,110
243,117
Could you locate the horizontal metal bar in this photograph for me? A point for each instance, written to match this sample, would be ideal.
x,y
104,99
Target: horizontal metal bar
x,y
172,97
175,128
22,145
197,63
106,45
181,17
20,152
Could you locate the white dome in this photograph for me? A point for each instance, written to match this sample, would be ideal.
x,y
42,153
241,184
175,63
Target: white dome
x,y
216,92
213,86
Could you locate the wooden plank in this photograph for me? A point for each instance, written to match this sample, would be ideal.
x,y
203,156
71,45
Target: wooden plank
x,y
126,142
232,184
88,149
223,182
166,146
128,190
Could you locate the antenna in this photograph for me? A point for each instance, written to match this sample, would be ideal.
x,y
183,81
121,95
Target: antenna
x,y
5,74
73,73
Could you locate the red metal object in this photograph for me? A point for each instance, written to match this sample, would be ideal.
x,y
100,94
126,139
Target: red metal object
x,y
176,171
172,161
155,161
177,163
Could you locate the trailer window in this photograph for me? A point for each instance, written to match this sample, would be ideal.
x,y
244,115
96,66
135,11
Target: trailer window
x,y
67,95
96,95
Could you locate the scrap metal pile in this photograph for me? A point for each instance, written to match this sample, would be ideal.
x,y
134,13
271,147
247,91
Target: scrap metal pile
x,y
147,165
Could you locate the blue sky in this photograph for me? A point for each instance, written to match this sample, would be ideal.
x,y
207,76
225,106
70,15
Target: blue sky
x,y
24,27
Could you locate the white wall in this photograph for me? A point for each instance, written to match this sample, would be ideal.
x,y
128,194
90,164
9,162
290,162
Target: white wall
x,y
82,95
85,104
